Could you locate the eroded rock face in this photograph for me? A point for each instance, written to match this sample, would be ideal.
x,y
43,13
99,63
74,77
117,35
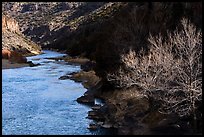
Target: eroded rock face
x,y
14,40
56,19
9,24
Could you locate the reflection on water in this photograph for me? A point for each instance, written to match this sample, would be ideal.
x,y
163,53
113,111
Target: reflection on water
x,y
35,101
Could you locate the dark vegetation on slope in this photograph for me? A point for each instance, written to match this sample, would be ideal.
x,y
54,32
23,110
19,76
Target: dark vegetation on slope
x,y
45,22
134,28
105,39
119,38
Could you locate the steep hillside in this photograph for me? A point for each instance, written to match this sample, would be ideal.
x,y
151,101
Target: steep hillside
x,y
46,22
109,31
87,28
148,56
141,71
13,39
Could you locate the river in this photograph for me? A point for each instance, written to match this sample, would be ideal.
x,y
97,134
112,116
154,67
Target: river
x,y
36,102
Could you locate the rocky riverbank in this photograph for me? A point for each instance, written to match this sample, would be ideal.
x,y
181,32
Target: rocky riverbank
x,y
6,64
14,59
125,110
92,83
15,46
121,39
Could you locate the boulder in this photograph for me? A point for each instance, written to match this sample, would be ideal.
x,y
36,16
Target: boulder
x,y
92,113
31,64
96,107
6,54
93,126
95,115
13,56
17,57
64,77
86,99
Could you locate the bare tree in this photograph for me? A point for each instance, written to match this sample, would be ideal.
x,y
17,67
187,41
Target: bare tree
x,y
188,75
150,72
173,66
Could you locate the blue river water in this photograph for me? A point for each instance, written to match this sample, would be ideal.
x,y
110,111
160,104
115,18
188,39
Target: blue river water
x,y
36,102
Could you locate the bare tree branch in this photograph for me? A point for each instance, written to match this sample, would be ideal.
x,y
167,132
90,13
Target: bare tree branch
x,y
173,66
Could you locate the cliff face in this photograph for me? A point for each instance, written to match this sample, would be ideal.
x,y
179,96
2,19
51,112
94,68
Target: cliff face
x,y
13,39
96,31
46,22
85,27
9,24
80,26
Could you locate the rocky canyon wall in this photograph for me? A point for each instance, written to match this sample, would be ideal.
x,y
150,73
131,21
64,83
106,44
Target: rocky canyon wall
x,y
13,39
9,24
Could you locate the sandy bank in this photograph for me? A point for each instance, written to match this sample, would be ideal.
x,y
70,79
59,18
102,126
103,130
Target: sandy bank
x,y
6,64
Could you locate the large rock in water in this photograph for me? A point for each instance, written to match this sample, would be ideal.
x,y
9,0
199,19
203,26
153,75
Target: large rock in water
x,y
86,99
